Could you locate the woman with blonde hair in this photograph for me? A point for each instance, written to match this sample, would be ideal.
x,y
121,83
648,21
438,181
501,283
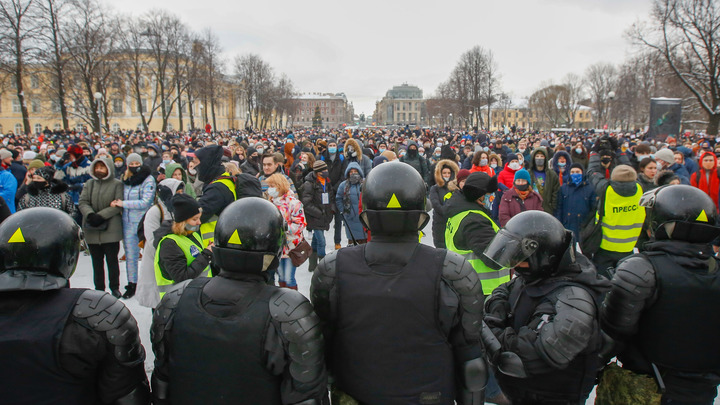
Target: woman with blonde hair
x,y
180,255
292,210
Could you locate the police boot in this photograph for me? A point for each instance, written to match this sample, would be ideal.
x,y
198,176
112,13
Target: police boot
x,y
313,262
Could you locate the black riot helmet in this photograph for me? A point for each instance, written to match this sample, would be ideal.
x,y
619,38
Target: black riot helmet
x,y
680,212
393,199
39,249
249,237
533,236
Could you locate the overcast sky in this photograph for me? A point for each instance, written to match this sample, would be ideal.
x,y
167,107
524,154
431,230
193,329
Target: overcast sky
x,y
365,48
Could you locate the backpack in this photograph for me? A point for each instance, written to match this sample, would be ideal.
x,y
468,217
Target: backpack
x,y
141,226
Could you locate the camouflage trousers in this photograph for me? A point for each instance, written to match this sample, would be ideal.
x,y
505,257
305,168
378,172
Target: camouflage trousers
x,y
622,387
339,397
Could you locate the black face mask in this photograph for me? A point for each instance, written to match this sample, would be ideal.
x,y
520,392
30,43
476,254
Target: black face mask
x,y
39,185
135,170
523,187
606,160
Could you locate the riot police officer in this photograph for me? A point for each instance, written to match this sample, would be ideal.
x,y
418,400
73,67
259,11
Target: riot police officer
x,y
548,314
402,321
61,345
232,338
661,306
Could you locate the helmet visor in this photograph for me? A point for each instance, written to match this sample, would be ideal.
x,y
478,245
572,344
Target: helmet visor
x,y
508,249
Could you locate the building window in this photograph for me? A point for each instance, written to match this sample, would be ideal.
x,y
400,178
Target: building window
x,y
142,108
57,127
16,106
169,126
34,82
55,106
35,104
79,127
18,129
38,128
116,127
117,105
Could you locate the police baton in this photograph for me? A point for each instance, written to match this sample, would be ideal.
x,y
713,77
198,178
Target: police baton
x,y
508,363
348,228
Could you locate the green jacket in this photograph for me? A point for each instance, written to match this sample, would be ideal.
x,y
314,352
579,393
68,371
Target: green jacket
x,y
549,190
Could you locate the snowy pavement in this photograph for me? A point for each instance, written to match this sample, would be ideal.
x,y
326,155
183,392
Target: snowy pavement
x,y
83,279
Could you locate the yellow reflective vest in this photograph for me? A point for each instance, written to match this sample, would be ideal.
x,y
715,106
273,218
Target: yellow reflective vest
x,y
191,245
622,221
489,277
207,230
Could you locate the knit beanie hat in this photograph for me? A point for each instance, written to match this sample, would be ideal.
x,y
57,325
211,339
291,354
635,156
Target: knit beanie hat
x,y
578,166
36,164
510,157
46,172
623,173
478,184
462,175
4,154
319,166
134,157
666,155
522,174
184,207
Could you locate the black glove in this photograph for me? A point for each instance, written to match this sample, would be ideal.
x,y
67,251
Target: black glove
x,y
95,219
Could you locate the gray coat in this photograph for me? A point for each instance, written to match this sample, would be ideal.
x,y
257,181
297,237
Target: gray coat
x,y
96,198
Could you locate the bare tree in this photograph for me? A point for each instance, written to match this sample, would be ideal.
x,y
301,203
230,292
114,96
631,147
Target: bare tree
x,y
91,40
165,32
18,31
52,15
135,67
685,33
601,79
257,78
556,105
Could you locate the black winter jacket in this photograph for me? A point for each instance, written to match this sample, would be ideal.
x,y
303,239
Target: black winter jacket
x,y
317,214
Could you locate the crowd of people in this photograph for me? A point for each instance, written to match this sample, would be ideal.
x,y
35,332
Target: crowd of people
x,y
511,206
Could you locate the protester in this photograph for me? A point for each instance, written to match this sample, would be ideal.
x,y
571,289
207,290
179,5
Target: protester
x,y
292,211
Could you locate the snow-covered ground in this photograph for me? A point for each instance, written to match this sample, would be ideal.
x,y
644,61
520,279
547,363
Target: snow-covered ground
x,y
83,279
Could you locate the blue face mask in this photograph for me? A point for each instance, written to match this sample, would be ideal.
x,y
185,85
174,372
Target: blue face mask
x,y
576,178
578,151
332,149
167,162
561,164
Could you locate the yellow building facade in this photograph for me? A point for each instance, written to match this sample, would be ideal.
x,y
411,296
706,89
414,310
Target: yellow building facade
x,y
121,107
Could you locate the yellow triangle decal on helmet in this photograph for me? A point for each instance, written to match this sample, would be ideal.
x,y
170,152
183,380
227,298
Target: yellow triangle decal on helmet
x,y
17,237
235,239
702,217
394,203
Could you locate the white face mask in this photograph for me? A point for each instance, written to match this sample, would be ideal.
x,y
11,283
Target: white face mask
x,y
514,166
272,192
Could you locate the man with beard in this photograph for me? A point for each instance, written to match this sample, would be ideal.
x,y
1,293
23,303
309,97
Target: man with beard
x,y
219,190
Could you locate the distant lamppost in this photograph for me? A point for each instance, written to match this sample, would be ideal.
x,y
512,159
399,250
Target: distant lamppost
x,y
471,121
98,97
247,117
451,121
289,119
611,97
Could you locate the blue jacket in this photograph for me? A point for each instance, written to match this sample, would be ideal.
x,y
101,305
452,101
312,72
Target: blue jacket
x,y
8,188
352,215
690,163
76,177
575,204
566,170
681,172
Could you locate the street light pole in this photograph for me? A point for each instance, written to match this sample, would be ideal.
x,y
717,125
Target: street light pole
x,y
98,100
611,97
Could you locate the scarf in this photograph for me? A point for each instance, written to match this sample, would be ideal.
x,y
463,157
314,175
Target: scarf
x,y
523,194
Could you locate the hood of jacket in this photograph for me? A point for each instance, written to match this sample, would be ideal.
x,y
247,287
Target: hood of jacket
x,y
210,166
568,162
166,189
450,164
447,152
535,152
689,255
577,268
354,165
170,169
352,142
103,161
